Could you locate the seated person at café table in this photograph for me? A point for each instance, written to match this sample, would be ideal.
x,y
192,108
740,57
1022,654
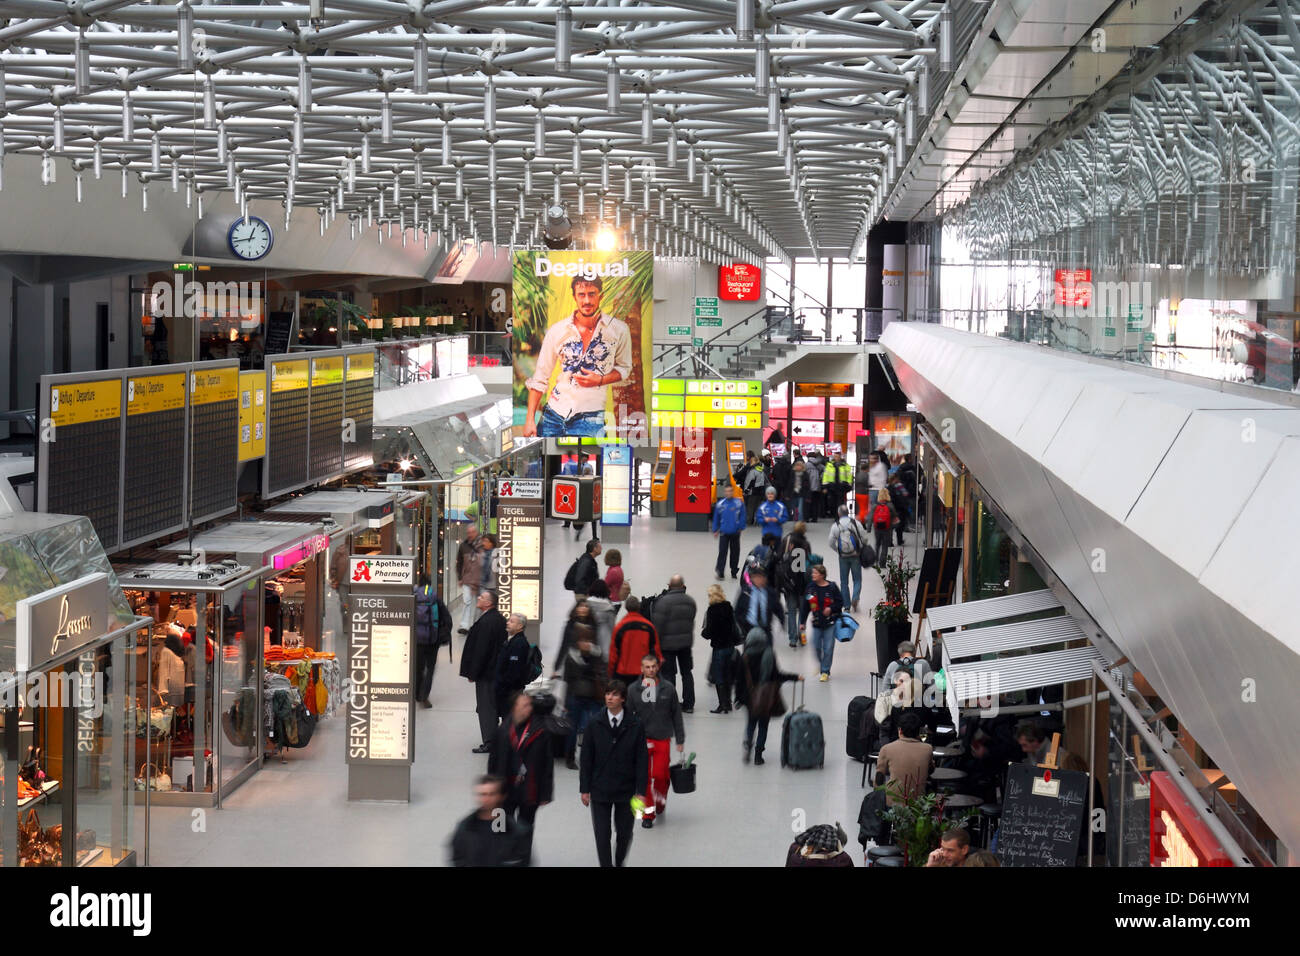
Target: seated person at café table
x,y
952,849
903,767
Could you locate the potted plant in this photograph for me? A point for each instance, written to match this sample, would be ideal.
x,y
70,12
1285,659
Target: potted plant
x,y
893,620
919,824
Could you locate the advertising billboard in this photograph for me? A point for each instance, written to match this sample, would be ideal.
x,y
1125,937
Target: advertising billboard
x,y
583,323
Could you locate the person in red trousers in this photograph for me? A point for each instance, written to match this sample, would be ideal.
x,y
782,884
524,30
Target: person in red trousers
x,y
655,704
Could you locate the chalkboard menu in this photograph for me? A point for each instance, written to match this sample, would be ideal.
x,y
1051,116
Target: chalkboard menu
x,y
279,333
80,472
1042,816
1129,821
287,424
153,489
358,409
214,440
325,438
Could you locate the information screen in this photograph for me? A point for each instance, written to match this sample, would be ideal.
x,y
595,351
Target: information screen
x,y
325,438
287,425
358,409
80,470
214,440
153,493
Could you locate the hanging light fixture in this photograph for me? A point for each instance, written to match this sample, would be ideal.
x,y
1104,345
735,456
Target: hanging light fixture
x,y
690,163
672,145
762,66
386,120
647,122
58,132
563,38
490,106
445,160
420,65
745,21
209,103
539,134
613,97
365,153
128,119
604,172
577,154
81,57
304,84
923,88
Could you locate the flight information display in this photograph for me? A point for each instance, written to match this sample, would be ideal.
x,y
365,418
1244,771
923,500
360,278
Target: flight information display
x,y
326,433
153,487
214,440
80,456
358,409
284,467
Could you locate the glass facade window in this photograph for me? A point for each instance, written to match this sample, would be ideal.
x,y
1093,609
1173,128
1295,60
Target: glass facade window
x,y
1162,231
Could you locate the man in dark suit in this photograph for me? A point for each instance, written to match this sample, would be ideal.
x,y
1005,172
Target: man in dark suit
x,y
478,664
613,770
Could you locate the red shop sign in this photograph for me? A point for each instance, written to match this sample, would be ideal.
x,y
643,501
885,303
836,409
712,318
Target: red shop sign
x,y
693,472
1178,835
740,282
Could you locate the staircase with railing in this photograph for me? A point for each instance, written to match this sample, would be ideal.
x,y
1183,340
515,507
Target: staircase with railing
x,y
766,337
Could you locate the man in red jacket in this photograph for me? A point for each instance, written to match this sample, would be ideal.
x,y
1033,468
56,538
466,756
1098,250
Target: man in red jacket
x,y
634,638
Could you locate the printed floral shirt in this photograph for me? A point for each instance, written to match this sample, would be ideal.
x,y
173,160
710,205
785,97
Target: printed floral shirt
x,y
610,350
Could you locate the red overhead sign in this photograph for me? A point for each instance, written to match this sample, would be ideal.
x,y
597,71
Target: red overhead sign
x,y
1074,287
740,282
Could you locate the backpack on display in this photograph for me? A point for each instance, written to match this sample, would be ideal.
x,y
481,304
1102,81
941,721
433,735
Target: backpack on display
x,y
803,745
571,575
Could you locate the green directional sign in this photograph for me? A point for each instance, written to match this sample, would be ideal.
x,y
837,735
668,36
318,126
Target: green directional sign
x,y
1110,332
706,302
701,310
1148,336
679,330
703,321
697,341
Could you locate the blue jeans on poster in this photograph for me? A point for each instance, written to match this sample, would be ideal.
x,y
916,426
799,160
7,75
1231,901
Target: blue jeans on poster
x,y
586,424
580,711
850,566
823,639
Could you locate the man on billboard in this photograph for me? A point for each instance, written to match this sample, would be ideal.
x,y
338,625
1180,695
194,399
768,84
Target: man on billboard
x,y
594,351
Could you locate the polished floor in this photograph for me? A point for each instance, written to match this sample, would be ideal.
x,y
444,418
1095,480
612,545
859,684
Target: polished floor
x,y
298,813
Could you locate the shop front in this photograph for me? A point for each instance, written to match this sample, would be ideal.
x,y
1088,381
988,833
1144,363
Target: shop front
x,y
280,625
71,660
205,737
366,521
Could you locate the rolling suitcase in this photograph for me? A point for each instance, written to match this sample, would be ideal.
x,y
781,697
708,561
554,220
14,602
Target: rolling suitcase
x,y
803,746
854,745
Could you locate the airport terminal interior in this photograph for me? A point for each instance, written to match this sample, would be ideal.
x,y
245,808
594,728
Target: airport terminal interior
x,y
664,433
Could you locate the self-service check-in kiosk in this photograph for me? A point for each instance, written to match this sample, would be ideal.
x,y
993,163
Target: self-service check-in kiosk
x,y
735,461
660,479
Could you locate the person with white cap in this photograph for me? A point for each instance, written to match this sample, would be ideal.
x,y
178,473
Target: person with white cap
x,y
771,515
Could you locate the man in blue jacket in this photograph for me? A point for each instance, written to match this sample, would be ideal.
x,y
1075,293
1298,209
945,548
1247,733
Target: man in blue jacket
x,y
728,522
771,515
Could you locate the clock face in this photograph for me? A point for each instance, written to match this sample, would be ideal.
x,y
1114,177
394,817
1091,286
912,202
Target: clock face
x,y
251,239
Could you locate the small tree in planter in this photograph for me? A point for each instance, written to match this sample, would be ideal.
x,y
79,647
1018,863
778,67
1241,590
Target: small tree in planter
x,y
919,824
893,620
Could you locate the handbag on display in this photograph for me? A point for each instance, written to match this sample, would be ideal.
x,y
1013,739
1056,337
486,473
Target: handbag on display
x,y
151,778
845,628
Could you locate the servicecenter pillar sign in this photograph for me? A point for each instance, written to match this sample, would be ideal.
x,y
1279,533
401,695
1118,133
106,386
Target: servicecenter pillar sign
x,y
519,555
381,668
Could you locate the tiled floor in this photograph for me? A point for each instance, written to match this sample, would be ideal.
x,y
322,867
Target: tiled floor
x,y
298,813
